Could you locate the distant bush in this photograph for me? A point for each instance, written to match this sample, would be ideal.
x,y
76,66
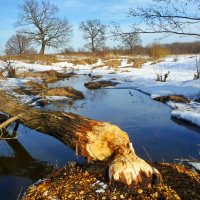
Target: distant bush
x,y
157,52
33,58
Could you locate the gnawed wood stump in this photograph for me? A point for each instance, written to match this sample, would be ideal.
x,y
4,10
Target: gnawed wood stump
x,y
94,140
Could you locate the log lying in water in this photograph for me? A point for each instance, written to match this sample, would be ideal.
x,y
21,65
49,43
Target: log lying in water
x,y
94,140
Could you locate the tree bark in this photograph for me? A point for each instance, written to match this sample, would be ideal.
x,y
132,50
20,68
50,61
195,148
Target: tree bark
x,y
42,48
94,140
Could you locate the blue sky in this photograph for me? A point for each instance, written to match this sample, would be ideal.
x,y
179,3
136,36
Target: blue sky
x,y
76,11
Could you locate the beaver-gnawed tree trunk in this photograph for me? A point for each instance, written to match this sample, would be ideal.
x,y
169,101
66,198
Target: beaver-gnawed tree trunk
x,y
94,140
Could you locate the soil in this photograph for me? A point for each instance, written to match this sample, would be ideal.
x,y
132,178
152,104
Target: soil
x,y
99,84
91,182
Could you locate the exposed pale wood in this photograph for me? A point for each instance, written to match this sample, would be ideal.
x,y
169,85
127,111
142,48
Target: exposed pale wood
x,y
9,121
94,140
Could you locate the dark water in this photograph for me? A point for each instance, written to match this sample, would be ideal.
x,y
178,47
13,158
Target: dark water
x,y
147,122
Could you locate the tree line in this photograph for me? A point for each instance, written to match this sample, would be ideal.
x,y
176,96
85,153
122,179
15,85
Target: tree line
x,y
38,24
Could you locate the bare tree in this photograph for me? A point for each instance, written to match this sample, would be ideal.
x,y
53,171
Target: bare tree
x,y
18,44
168,16
38,22
94,32
128,40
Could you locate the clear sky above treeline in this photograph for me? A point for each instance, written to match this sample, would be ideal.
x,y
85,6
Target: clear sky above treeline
x,y
79,10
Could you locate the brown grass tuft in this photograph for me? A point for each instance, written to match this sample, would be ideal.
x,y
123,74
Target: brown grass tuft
x,y
64,91
99,84
174,98
113,63
138,62
157,52
83,61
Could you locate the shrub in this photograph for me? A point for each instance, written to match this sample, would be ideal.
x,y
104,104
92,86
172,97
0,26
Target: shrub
x,y
162,77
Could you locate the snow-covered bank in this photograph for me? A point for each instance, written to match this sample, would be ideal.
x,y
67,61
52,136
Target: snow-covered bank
x,y
180,81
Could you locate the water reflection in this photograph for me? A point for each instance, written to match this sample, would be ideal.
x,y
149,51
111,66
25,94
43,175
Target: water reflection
x,y
186,124
18,169
21,163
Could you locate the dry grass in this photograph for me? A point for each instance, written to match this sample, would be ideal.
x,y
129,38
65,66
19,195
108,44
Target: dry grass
x,y
32,88
99,84
138,62
130,60
1,75
83,61
125,71
64,91
113,63
33,58
48,76
157,52
174,98
35,88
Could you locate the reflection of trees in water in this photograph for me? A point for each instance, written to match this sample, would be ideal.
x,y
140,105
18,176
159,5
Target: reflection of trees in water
x,y
22,164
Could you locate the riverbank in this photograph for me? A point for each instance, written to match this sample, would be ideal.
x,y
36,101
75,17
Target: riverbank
x,y
75,181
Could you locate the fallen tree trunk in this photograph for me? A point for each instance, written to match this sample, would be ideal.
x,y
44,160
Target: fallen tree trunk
x,y
94,140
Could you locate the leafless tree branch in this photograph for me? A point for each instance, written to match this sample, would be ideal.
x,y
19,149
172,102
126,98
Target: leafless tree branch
x,y
38,22
94,32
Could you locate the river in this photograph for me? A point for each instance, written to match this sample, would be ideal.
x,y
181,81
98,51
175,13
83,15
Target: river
x,y
147,122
